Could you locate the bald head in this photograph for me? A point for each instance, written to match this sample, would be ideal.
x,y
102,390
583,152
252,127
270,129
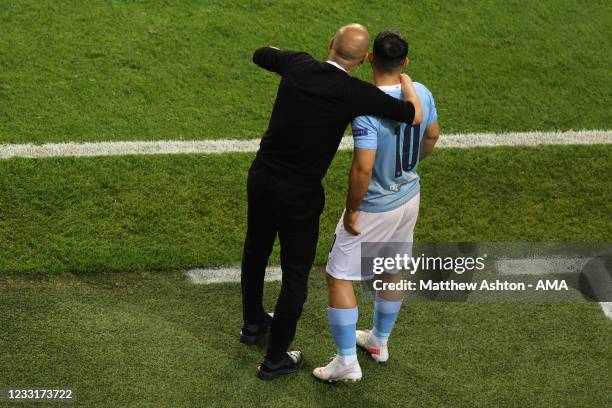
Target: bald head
x,y
350,45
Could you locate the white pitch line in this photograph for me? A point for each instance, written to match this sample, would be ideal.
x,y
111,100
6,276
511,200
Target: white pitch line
x,y
548,266
227,275
122,148
540,265
505,267
607,309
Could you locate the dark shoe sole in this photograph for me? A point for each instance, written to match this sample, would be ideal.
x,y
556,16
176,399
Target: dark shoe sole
x,y
272,375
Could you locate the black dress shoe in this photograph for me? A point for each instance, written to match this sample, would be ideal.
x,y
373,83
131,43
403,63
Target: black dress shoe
x,y
252,332
293,361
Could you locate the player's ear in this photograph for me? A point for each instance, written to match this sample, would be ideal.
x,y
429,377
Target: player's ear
x,y
370,57
406,62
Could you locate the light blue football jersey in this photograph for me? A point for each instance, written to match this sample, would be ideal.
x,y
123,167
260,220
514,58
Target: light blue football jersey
x,y
394,177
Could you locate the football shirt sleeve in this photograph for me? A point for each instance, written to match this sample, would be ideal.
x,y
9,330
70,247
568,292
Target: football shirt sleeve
x,y
433,113
365,132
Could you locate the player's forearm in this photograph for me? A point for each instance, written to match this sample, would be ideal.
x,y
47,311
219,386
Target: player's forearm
x,y
427,146
359,180
432,134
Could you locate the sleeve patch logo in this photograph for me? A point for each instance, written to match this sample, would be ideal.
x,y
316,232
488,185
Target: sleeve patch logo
x,y
360,132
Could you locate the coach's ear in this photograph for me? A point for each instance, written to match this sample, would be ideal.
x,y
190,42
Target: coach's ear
x,y
331,43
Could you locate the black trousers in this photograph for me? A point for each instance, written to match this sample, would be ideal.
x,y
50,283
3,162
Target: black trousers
x,y
276,205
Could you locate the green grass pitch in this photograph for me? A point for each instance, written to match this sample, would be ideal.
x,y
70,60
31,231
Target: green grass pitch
x,y
169,212
121,70
92,294
142,339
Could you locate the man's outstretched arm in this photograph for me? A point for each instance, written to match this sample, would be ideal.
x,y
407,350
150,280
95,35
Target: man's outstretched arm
x,y
359,180
273,59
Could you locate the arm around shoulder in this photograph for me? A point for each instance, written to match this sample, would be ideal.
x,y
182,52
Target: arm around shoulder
x,y
366,99
411,96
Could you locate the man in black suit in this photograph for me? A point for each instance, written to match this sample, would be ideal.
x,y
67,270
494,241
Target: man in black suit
x,y
314,104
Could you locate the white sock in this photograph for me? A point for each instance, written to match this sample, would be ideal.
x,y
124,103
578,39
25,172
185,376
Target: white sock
x,y
375,341
347,360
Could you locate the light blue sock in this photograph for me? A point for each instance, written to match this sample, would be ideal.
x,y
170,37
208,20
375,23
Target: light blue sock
x,y
385,314
343,324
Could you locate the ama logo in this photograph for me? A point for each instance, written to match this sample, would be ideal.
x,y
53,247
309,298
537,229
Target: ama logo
x,y
544,284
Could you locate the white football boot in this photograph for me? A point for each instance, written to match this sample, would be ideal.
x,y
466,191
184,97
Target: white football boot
x,y
380,353
336,371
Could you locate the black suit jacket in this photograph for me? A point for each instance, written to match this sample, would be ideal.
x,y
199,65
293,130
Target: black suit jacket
x,y
315,103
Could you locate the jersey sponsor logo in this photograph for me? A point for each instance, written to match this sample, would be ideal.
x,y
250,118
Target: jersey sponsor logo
x,y
398,186
360,132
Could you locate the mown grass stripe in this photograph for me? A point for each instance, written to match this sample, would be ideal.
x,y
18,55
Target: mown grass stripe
x,y
273,273
125,148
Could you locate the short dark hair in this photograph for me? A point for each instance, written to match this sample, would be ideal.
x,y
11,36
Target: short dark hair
x,y
390,50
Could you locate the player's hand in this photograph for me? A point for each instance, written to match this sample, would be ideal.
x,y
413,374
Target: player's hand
x,y
408,88
405,80
350,221
410,95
